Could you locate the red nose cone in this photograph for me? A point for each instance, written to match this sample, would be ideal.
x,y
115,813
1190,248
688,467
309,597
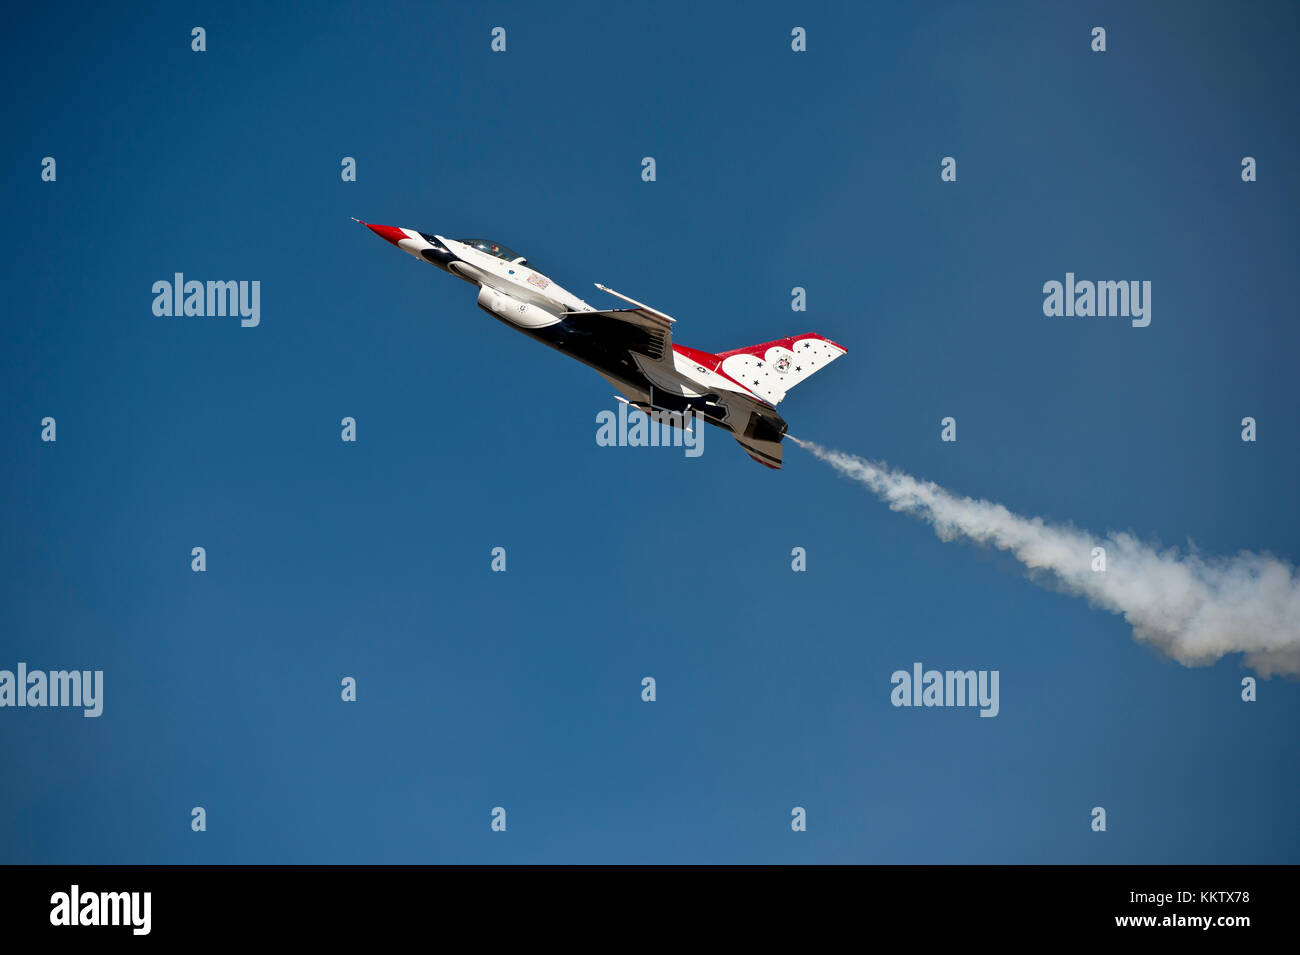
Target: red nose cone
x,y
388,232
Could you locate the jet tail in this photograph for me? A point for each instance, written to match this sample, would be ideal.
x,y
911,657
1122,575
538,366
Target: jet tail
x,y
761,434
771,369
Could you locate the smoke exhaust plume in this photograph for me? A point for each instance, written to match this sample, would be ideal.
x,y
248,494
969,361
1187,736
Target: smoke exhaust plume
x,y
1195,609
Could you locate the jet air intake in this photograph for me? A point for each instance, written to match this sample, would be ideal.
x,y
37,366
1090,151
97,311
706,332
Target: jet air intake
x,y
514,311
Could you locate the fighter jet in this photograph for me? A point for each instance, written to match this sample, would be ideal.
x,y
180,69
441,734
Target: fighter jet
x,y
632,348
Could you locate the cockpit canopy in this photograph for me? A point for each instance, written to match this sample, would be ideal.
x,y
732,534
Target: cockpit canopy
x,y
495,248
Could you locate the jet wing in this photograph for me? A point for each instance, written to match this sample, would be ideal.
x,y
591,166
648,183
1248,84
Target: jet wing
x,y
639,330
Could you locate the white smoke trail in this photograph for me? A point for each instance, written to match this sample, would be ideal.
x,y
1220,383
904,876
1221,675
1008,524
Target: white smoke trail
x,y
1194,609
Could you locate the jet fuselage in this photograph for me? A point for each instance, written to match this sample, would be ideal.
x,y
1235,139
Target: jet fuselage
x,y
630,348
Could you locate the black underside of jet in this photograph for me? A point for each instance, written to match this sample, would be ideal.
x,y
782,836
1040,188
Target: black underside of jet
x,y
608,347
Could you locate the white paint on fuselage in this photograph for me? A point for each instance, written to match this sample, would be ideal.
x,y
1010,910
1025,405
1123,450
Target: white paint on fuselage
x,y
512,278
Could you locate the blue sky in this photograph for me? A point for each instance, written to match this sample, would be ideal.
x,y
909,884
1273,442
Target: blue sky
x,y
522,689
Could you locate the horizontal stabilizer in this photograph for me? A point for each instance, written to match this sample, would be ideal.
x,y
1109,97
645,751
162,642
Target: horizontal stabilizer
x,y
766,453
